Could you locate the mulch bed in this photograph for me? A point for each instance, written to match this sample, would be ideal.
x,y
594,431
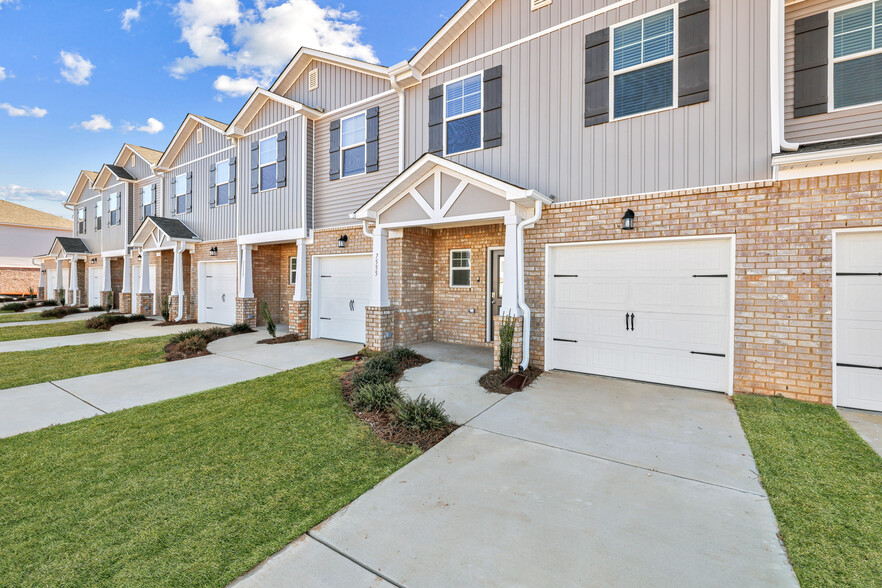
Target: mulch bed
x,y
172,323
384,423
188,349
291,338
493,380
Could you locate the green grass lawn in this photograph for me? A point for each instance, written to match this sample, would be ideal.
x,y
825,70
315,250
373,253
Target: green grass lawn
x,y
825,486
20,317
37,331
20,368
189,492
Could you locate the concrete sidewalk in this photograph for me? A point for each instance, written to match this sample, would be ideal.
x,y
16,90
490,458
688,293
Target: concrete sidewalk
x,y
29,408
867,424
71,317
139,330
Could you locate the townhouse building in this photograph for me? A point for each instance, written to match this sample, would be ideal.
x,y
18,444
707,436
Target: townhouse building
x,y
684,192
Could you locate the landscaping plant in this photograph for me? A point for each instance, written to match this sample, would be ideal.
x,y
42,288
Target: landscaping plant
x,y
31,292
506,342
109,302
268,319
96,308
421,413
376,396
240,328
14,306
165,308
60,297
59,312
105,321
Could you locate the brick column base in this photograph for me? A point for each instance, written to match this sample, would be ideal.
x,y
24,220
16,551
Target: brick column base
x,y
41,293
77,297
517,346
103,298
173,305
379,328
125,303
298,318
246,311
145,304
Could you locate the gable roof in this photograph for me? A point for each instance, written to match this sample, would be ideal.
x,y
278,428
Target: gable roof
x,y
68,245
182,135
16,214
447,34
305,56
151,156
254,105
85,179
162,232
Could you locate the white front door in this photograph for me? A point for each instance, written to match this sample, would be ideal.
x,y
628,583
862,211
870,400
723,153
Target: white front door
x,y
859,320
656,311
96,284
343,291
51,278
217,292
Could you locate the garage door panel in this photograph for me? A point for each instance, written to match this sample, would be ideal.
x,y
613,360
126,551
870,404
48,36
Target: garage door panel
x,y
705,334
862,388
344,287
218,294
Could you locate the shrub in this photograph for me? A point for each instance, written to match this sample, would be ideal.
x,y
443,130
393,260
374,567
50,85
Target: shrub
x,y
239,328
421,413
369,377
215,333
179,337
106,321
165,308
506,342
14,306
193,345
108,304
376,396
268,319
95,308
134,318
31,292
400,354
59,311
48,303
59,296
31,304
382,363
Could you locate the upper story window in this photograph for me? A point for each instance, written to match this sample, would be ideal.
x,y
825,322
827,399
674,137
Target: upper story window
x,y
857,55
353,144
98,212
222,182
643,65
463,102
81,220
148,201
113,208
268,155
180,195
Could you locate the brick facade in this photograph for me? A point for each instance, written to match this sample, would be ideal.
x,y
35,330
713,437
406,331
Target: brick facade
x,y
246,311
298,318
17,280
517,346
379,328
145,304
125,303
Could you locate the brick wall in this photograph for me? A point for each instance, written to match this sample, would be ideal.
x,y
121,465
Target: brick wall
x,y
783,272
411,285
17,280
267,281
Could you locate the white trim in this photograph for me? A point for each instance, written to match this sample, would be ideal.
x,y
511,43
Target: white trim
x,y
295,270
314,289
168,170
114,253
272,237
732,238
363,143
479,112
833,61
275,163
355,105
227,183
451,269
489,290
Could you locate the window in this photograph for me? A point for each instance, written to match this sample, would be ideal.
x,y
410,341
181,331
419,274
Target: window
x,y
147,201
292,270
313,80
81,220
222,182
352,145
857,55
132,161
199,135
461,268
643,65
180,196
113,208
462,114
268,155
98,209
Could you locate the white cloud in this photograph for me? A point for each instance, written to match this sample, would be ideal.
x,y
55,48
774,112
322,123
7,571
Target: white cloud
x,y
235,86
2,73
75,68
152,127
32,111
257,43
129,16
9,2
97,123
46,200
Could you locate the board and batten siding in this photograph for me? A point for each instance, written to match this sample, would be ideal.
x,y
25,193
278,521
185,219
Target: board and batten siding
x,y
115,237
545,145
137,215
851,122
210,224
278,209
335,200
91,237
338,87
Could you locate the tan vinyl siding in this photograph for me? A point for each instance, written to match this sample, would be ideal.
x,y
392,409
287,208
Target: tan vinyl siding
x,y
336,200
545,145
338,87
833,125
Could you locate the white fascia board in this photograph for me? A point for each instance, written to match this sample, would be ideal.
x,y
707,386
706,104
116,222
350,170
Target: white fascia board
x,y
830,155
272,237
114,253
252,107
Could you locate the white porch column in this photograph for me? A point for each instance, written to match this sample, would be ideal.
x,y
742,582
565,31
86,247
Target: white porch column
x,y
43,275
59,277
246,286
145,274
511,271
380,269
127,274
106,287
73,284
300,278
177,288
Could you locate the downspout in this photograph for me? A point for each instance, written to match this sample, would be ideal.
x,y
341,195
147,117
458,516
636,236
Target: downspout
x,y
397,87
364,227
776,71
522,302
179,278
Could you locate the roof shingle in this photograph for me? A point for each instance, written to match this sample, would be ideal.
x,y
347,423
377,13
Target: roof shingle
x,y
16,214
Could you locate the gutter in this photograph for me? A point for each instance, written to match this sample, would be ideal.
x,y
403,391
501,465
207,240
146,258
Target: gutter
x,y
522,303
776,72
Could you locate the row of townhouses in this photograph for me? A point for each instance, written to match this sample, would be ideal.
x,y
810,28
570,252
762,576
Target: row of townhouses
x,y
678,192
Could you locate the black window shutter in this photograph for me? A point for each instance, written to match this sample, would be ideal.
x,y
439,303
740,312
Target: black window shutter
x,y
189,191
436,120
334,152
212,185
810,66
155,203
255,167
597,78
372,137
493,107
693,63
232,189
282,159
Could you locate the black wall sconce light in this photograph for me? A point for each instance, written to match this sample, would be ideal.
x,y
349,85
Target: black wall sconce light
x,y
628,220
342,241
92,261
139,257
212,252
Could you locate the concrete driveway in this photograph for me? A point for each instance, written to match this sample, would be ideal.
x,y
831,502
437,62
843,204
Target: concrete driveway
x,y
577,481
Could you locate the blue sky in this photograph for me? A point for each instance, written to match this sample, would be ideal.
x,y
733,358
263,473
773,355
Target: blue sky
x,y
80,78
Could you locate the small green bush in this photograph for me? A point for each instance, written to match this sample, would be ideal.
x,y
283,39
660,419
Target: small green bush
x,y
239,328
134,318
59,296
178,337
376,396
14,306
31,304
421,413
268,319
382,363
192,345
48,303
215,333
506,342
108,304
400,354
59,312
369,377
95,308
106,321
165,308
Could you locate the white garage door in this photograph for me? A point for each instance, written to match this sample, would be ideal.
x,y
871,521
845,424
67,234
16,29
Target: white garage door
x,y
859,320
217,292
656,312
343,291
96,284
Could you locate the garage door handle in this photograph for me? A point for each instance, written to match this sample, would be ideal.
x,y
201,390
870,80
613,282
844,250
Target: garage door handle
x,y
862,367
223,297
627,326
633,328
708,354
566,340
844,274
352,305
324,318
